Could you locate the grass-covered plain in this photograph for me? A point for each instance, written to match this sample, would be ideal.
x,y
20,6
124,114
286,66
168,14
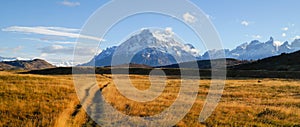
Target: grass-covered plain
x,y
37,100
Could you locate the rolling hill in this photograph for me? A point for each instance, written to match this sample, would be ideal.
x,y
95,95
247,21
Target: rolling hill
x,y
35,64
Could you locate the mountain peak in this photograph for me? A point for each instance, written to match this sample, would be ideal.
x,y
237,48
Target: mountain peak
x,y
163,35
286,43
254,42
271,39
146,32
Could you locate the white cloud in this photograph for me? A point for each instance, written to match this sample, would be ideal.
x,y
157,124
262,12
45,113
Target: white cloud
x,y
189,18
69,3
169,31
37,39
68,50
65,42
52,31
245,23
285,29
57,49
61,29
283,34
256,36
14,50
51,41
44,55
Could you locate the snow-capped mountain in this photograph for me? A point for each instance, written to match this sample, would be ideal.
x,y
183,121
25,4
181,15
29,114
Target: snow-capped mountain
x,y
64,64
12,58
255,50
149,47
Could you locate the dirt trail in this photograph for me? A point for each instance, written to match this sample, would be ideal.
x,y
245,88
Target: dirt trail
x,y
87,94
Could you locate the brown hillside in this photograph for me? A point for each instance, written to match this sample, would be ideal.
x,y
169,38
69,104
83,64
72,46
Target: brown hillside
x,y
26,65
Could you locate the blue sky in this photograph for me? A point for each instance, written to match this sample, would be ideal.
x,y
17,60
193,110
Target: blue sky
x,y
25,25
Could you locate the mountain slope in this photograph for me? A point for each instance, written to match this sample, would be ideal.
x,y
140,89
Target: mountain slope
x,y
283,62
25,64
4,66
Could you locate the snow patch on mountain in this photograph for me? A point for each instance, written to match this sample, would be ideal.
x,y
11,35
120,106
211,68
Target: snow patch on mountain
x,y
64,64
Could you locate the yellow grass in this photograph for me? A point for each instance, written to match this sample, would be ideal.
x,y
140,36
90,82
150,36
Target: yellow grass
x,y
34,100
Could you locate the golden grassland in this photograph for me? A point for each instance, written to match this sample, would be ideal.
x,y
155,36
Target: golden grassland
x,y
33,100
36,100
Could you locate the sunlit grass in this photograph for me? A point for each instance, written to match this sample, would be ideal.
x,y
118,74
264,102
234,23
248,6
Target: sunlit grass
x,y
35,100
245,102
31,100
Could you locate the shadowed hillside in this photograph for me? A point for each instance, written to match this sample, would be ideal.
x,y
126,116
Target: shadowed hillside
x,y
283,62
206,64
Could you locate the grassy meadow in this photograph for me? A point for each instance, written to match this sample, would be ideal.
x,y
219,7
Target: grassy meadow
x,y
38,100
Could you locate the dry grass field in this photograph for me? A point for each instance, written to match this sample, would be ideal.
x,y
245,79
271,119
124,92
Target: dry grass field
x,y
37,100
33,100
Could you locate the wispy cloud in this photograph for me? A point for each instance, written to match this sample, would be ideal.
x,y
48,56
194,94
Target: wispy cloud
x,y
189,18
37,39
256,36
52,31
17,49
69,3
210,16
65,42
57,49
67,50
285,29
11,49
283,35
50,41
245,23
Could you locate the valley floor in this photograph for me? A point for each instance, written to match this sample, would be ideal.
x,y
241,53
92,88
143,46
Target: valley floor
x,y
38,100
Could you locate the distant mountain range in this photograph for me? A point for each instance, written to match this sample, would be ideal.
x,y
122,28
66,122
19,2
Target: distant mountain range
x,y
255,50
58,64
160,48
11,58
64,64
35,64
282,62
